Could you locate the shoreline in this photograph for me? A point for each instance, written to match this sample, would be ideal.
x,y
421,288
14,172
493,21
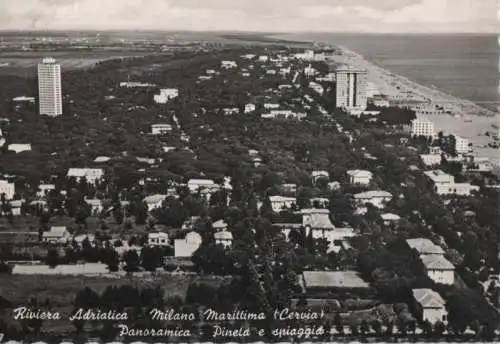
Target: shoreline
x,y
468,119
431,94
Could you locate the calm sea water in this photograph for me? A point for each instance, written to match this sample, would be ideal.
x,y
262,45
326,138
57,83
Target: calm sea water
x,y
463,65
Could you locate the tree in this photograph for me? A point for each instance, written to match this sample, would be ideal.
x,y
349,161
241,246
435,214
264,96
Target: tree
x,y
439,329
151,258
338,323
141,213
132,261
52,258
364,328
111,258
266,209
377,326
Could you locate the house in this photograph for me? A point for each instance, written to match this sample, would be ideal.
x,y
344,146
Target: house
x,y
377,198
319,174
158,239
56,235
79,239
438,268
16,207
154,201
95,206
220,225
316,87
165,95
231,111
133,84
435,150
270,106
389,218
431,159
380,100
91,175
424,246
196,184
228,64
444,184
359,177
333,186
187,246
102,159
7,189
224,238
278,203
319,202
19,147
161,129
289,188
249,108
430,306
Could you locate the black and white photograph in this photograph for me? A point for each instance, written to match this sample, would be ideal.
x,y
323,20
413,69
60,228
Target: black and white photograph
x,y
242,171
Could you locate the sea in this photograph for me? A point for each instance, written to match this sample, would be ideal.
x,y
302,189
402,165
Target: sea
x,y
463,65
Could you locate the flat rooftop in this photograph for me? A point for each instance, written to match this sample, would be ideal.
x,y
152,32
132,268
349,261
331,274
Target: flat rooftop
x,y
333,279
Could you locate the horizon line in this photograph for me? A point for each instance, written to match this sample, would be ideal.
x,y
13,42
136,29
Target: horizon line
x,y
266,33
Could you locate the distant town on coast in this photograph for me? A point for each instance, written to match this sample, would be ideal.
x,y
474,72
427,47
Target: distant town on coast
x,y
227,187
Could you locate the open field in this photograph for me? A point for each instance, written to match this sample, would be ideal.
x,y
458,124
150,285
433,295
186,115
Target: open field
x,y
18,63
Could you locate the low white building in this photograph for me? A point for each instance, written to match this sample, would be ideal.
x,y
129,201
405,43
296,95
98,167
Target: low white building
x,y
377,198
438,268
165,95
9,189
187,246
249,108
359,177
195,185
278,203
424,246
270,106
95,205
228,64
44,189
430,306
224,238
19,147
319,174
220,225
158,239
431,159
444,184
56,235
389,218
154,201
91,175
316,88
161,129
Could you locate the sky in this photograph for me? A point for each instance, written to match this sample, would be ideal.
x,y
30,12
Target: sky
x,y
419,16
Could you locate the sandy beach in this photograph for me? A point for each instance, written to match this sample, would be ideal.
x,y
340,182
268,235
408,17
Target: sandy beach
x,y
468,119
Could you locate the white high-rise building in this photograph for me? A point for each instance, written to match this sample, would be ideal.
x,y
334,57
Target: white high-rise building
x,y
49,87
351,87
422,127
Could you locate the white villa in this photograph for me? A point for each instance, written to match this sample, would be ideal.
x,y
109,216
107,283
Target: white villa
x,y
359,177
92,175
158,239
377,198
444,184
430,305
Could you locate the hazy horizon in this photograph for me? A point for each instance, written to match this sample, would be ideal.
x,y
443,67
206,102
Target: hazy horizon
x,y
275,16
